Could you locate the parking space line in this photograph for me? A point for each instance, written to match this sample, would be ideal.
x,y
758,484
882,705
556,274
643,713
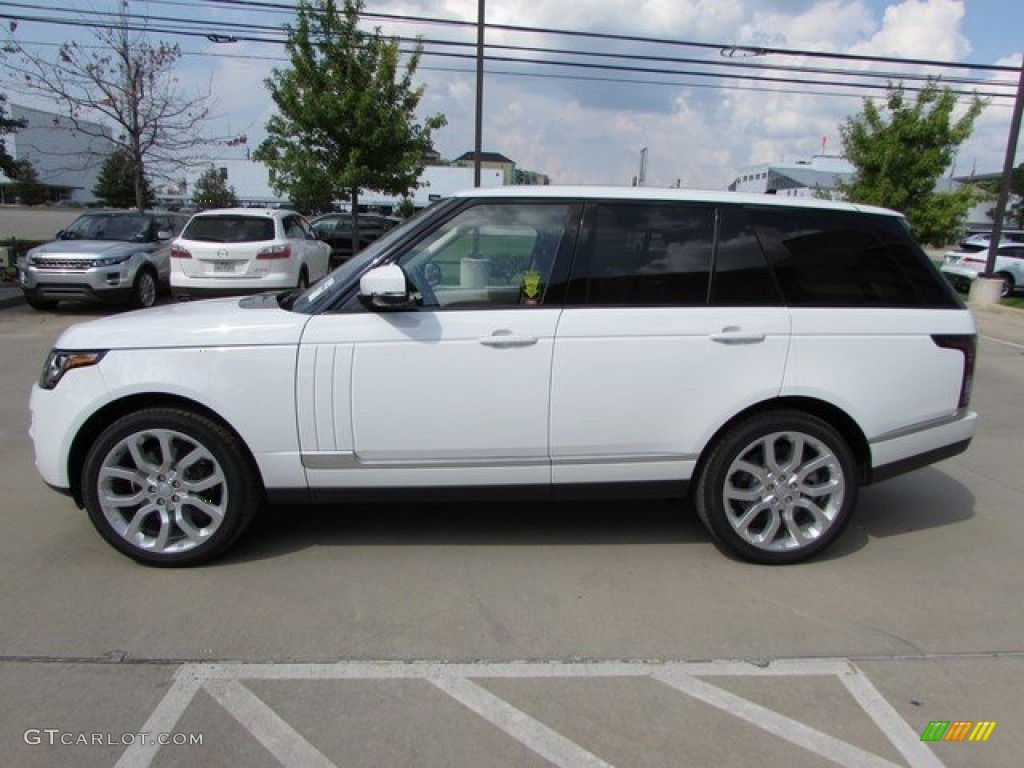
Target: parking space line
x,y
277,736
902,736
224,683
1004,342
547,743
163,719
811,739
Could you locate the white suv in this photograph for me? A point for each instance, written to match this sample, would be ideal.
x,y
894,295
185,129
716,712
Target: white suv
x,y
232,251
769,357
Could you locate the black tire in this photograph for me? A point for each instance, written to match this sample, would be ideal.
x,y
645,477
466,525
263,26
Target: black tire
x,y
303,282
1008,284
169,487
145,290
35,303
777,488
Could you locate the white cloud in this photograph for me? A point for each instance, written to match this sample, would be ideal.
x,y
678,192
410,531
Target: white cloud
x,y
581,130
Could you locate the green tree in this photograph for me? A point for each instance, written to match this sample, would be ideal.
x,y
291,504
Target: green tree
x,y
346,114
901,149
118,180
26,185
212,191
1017,196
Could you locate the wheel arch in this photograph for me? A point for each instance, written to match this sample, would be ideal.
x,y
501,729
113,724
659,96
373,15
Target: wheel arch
x,y
837,418
113,411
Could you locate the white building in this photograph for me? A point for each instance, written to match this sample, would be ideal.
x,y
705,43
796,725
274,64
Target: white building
x,y
251,182
66,160
802,178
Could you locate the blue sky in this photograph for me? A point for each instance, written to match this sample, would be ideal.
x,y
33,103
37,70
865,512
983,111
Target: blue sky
x,y
591,131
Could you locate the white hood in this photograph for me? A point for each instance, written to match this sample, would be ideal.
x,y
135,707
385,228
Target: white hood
x,y
211,323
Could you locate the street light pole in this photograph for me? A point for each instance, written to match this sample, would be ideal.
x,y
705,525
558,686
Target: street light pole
x,y
478,148
1004,184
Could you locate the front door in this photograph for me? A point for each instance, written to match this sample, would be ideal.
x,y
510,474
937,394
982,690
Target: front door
x,y
455,392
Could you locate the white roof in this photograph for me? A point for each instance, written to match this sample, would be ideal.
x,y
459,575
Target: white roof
x,y
254,212
667,195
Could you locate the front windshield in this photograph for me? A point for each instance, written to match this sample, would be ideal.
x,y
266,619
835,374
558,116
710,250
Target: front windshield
x,y
323,292
128,227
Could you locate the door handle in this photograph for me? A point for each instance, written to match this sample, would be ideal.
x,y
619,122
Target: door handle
x,y
733,334
504,339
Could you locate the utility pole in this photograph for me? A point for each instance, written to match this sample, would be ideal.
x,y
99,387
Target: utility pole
x,y
1004,184
478,146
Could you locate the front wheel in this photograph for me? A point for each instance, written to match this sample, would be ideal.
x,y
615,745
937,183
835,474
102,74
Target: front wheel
x,y
1008,284
778,487
145,290
167,486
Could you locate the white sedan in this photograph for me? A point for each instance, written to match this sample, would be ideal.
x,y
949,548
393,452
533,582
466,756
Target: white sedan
x,y
962,267
233,251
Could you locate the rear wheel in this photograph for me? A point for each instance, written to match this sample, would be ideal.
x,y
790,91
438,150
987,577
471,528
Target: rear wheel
x,y
303,282
778,487
167,487
1008,284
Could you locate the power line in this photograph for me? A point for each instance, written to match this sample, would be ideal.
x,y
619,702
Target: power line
x,y
754,49
279,37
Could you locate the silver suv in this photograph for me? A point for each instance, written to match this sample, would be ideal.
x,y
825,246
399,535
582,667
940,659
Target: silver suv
x,y
108,256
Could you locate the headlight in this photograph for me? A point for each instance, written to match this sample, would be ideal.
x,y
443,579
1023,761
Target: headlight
x,y
61,361
109,261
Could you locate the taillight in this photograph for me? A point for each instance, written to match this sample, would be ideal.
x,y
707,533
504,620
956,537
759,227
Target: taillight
x,y
968,344
275,252
972,260
177,252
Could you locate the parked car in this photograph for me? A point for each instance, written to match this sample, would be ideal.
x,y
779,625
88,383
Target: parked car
x,y
768,357
107,256
961,268
980,240
231,251
335,229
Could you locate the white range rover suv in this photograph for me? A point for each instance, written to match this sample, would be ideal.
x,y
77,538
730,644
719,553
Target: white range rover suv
x,y
767,357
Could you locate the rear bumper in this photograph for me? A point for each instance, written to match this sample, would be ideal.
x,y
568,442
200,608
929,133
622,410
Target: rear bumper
x,y
921,447
183,293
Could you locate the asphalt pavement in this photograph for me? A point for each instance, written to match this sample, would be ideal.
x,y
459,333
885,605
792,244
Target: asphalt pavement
x,y
604,634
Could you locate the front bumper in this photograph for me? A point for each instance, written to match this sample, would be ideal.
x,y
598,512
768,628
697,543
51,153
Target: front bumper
x,y
959,277
56,419
100,284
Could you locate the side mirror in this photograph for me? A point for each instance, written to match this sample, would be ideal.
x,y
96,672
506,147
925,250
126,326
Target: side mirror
x,y
163,234
385,288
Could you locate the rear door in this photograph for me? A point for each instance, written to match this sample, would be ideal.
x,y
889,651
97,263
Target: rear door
x,y
652,356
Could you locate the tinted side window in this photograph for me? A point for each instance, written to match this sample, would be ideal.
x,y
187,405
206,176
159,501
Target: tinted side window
x,y
655,254
741,277
839,259
931,287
